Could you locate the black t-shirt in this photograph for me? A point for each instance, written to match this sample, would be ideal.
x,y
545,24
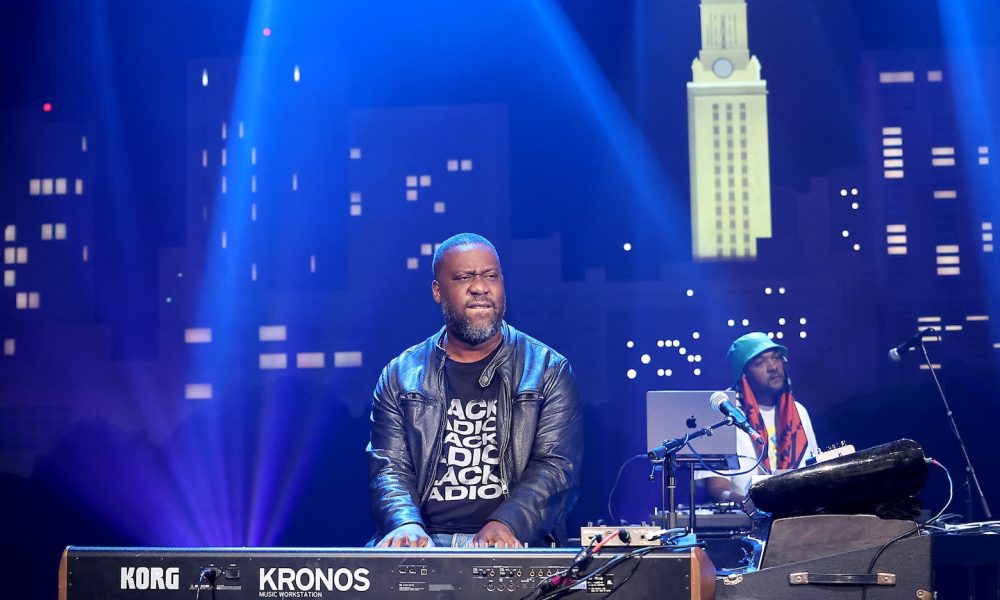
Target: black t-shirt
x,y
467,487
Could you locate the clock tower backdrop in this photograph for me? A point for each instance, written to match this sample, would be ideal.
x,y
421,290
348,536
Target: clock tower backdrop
x,y
727,136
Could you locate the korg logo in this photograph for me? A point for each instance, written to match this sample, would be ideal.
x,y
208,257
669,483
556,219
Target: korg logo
x,y
313,580
150,578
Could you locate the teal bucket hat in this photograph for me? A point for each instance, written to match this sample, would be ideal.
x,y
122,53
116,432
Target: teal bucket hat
x,y
748,346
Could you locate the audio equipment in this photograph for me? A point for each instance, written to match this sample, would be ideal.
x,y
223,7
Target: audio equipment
x,y
377,573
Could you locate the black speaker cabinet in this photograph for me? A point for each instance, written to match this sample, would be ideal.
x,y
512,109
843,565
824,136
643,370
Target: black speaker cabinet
x,y
794,539
902,571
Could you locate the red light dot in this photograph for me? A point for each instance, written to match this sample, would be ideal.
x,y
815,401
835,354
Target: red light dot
x,y
47,107
267,32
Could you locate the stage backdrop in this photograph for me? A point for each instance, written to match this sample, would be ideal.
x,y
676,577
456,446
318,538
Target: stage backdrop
x,y
218,224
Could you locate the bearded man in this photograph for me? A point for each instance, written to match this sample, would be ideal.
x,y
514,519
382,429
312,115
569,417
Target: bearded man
x,y
476,435
760,377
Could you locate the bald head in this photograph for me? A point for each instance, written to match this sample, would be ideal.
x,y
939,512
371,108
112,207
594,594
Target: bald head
x,y
458,242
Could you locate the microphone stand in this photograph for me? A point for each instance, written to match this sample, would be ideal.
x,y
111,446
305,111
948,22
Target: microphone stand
x,y
970,473
664,456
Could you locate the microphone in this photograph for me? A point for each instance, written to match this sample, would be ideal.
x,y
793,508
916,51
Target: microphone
x,y
896,354
720,402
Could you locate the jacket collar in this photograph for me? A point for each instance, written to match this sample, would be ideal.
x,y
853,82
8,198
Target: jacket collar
x,y
507,334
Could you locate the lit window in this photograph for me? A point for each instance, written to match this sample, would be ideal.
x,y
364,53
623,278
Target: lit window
x,y
310,360
355,210
9,278
466,164
439,207
411,195
355,153
198,335
10,233
452,165
411,181
198,391
895,77
78,187
412,263
277,360
61,186
425,181
272,333
60,231
46,231
347,359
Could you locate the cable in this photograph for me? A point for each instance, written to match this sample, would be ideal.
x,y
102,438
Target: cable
x,y
209,574
614,562
611,495
951,492
871,565
760,458
885,546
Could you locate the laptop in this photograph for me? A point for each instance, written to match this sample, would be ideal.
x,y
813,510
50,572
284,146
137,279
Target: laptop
x,y
672,414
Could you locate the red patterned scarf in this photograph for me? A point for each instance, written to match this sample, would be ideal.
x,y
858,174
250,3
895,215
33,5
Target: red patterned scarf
x,y
791,436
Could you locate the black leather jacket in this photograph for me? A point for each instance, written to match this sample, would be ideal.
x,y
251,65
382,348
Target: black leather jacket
x,y
540,436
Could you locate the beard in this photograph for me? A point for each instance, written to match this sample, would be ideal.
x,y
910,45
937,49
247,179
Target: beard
x,y
470,333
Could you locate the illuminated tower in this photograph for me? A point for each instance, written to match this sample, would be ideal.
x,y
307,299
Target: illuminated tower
x,y
727,137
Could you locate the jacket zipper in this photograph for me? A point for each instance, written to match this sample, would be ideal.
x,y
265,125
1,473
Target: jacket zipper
x,y
436,450
503,441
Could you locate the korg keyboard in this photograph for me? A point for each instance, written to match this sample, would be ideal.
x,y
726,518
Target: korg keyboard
x,y
382,573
